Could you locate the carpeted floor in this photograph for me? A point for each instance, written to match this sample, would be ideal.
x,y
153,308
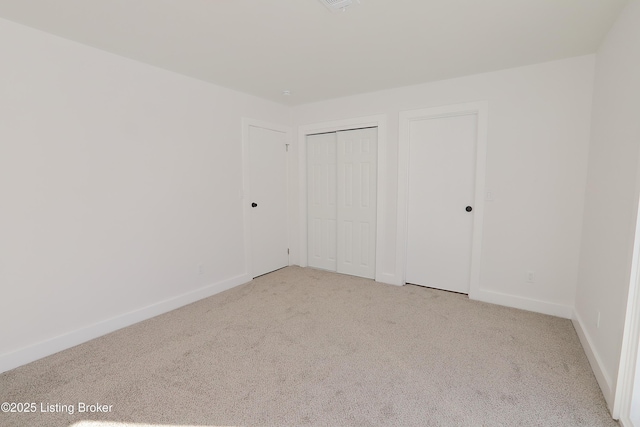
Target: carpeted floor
x,y
305,347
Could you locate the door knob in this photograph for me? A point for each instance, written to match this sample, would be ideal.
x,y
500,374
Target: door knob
x,y
254,204
468,209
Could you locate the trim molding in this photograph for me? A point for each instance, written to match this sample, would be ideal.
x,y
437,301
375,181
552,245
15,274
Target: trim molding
x,y
626,391
480,110
389,279
627,422
521,303
605,382
56,344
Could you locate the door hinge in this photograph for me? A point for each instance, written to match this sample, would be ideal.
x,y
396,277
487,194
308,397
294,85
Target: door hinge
x,y
287,250
286,147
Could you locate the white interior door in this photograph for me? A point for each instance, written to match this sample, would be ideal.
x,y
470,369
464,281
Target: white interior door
x,y
321,201
442,163
341,203
357,195
268,195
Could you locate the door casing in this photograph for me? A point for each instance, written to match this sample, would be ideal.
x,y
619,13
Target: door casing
x,y
626,392
406,117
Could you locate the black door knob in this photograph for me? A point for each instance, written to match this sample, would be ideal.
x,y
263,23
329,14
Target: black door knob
x,y
254,204
468,209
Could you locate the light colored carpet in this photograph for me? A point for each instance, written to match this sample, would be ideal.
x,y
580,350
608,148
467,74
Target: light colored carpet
x,y
306,347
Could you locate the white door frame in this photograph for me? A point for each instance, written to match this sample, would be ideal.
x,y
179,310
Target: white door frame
x,y
406,117
630,354
245,194
379,121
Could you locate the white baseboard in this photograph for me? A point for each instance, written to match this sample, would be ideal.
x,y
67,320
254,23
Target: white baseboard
x,y
537,306
53,345
628,422
604,381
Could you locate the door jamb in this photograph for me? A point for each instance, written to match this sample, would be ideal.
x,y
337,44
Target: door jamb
x,y
245,192
630,355
379,121
480,109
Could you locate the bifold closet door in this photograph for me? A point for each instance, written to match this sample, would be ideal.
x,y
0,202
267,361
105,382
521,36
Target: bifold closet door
x,y
341,201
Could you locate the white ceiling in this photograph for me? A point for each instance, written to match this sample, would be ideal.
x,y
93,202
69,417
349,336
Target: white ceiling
x,y
263,47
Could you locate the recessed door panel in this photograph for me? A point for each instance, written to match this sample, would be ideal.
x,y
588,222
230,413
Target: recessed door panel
x,y
321,201
357,195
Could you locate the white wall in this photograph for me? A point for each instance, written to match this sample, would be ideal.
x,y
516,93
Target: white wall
x,y
536,169
611,197
117,180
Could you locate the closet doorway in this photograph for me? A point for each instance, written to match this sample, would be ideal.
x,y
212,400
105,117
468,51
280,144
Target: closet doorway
x,y
342,201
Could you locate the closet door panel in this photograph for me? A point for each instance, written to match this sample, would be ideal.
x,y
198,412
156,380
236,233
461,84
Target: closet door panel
x,y
321,201
356,201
